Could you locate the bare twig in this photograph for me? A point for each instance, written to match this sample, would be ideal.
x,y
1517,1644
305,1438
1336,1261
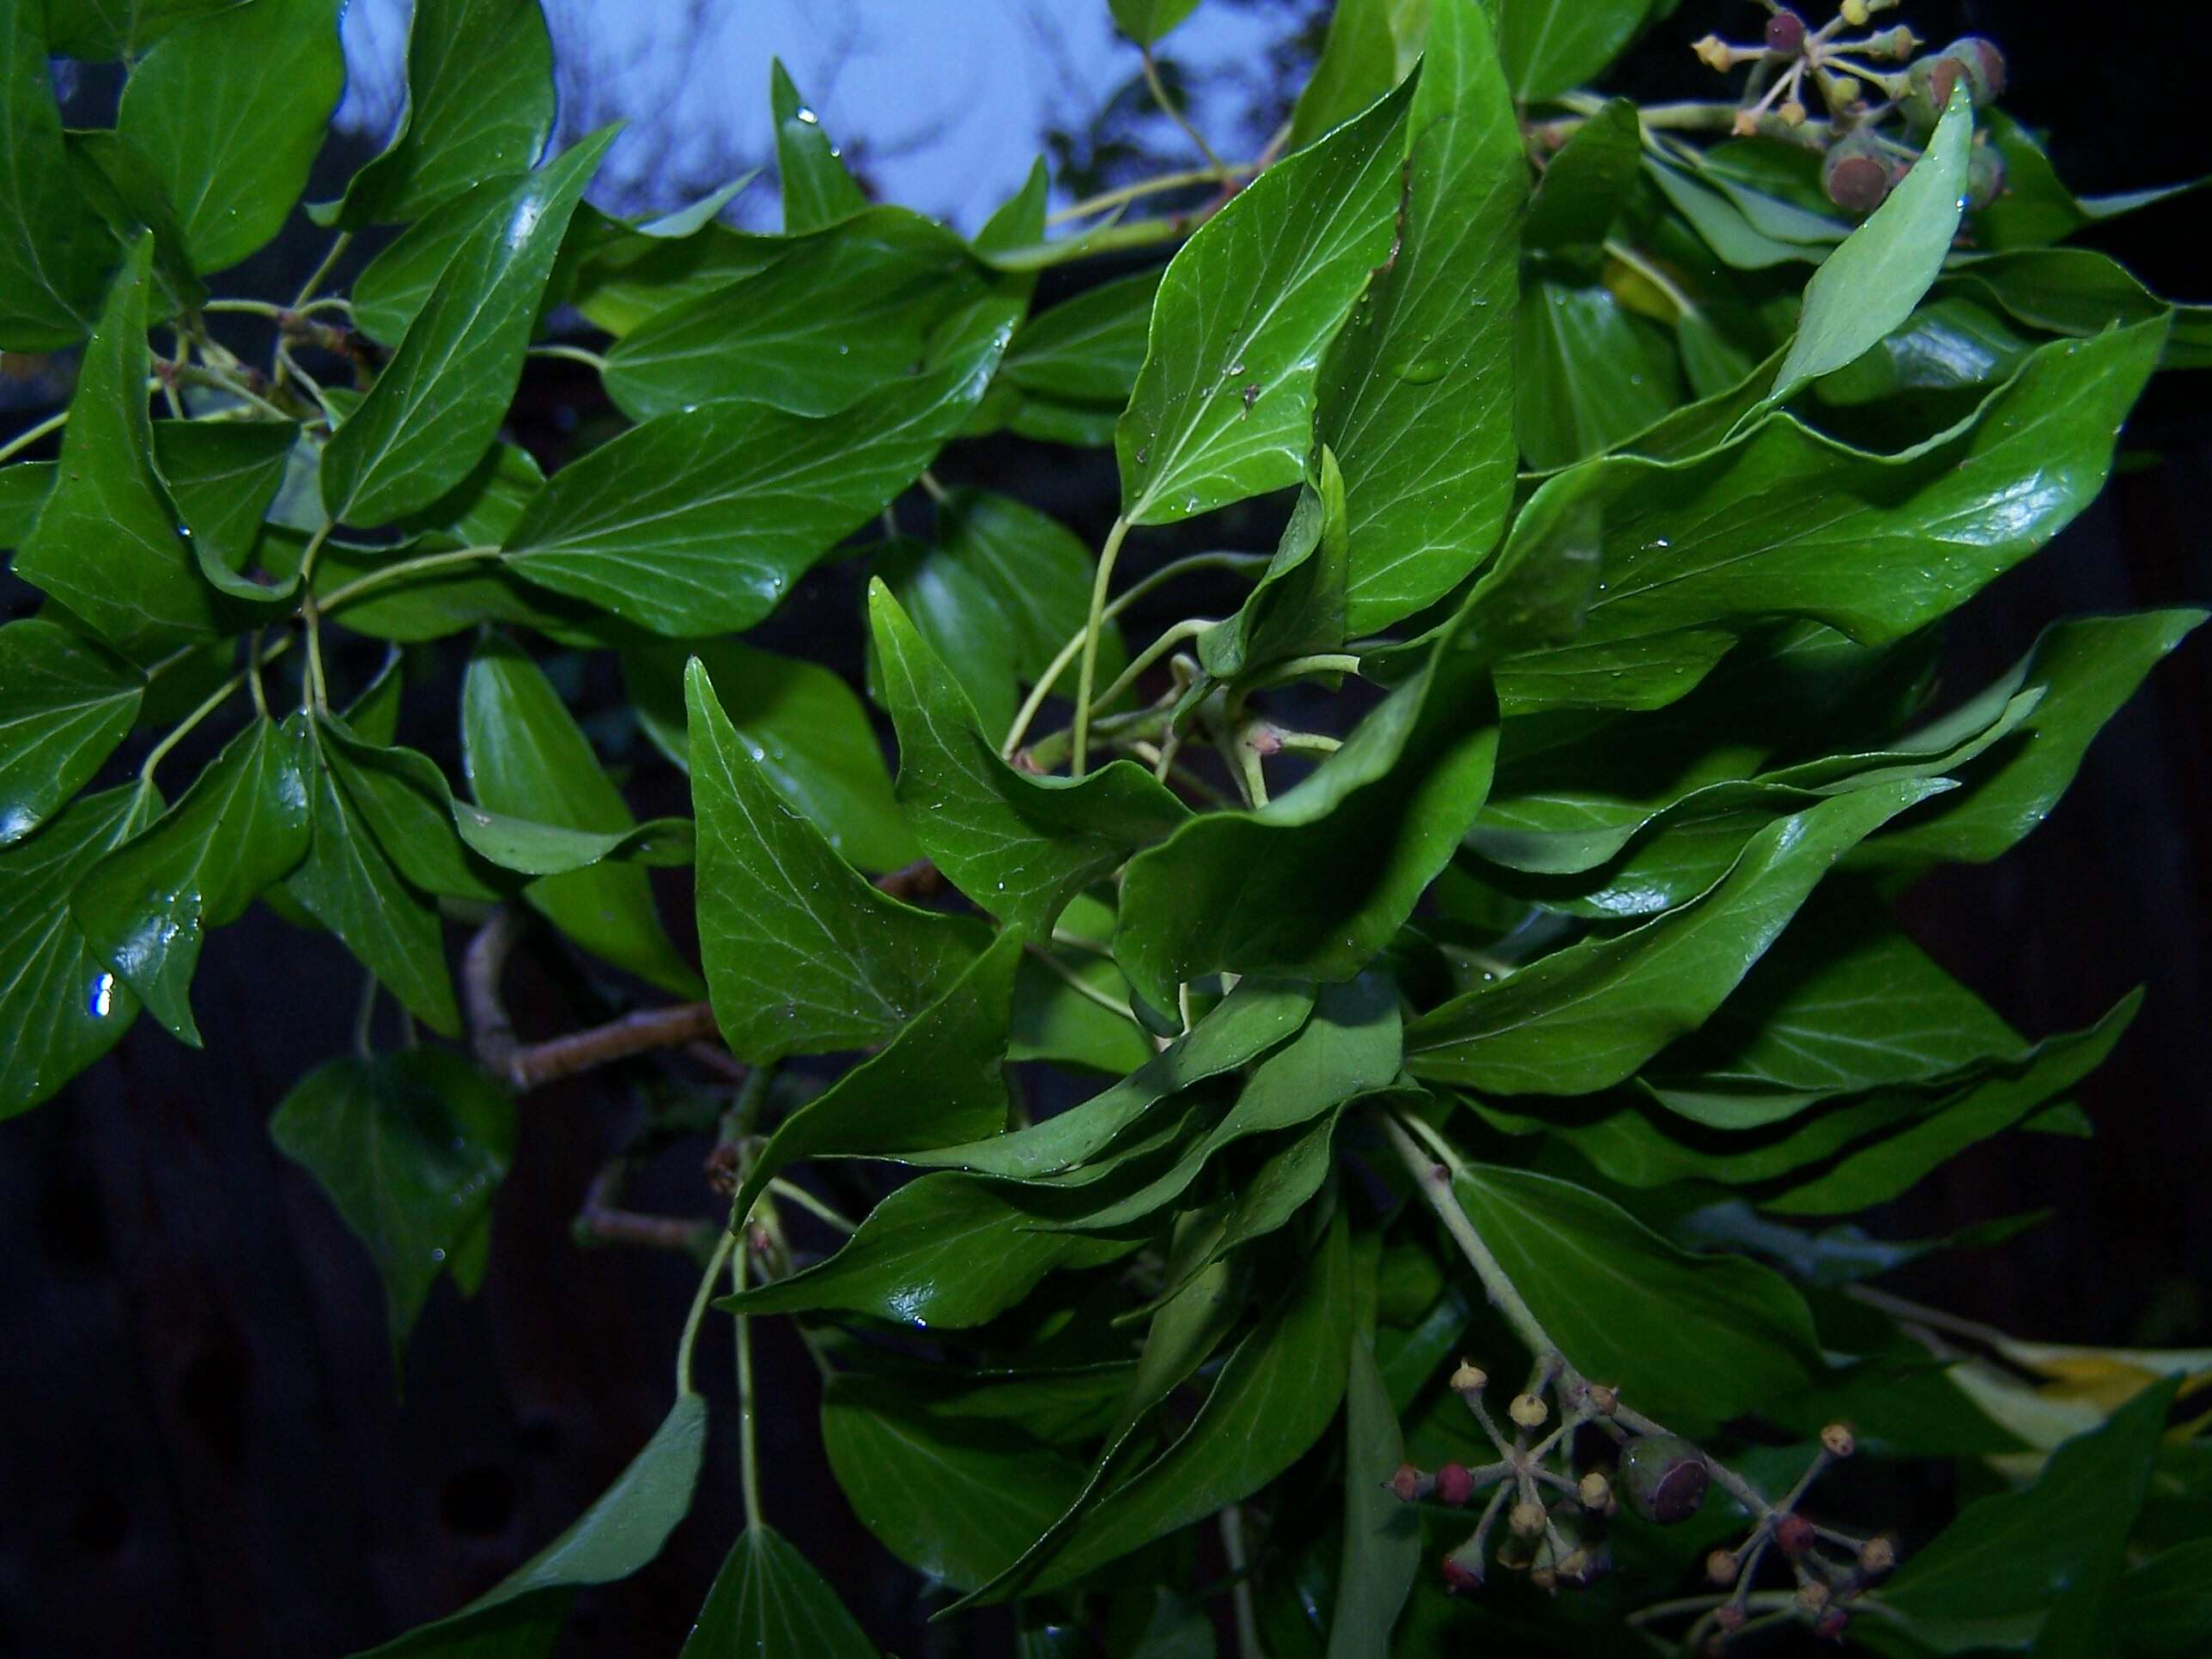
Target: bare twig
x,y
603,1218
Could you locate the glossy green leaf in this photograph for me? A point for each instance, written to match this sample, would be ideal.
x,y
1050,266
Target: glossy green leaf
x,y
997,593
404,800
810,728
61,1007
845,313
1276,1394
55,257
1879,1172
802,955
2078,292
2164,1605
699,522
1358,63
1587,1015
223,477
121,185
440,401
106,542
1300,606
940,1081
241,827
1586,184
1053,1021
479,102
393,287
1947,345
1223,407
2087,668
1587,374
24,487
410,1147
1381,1533
526,758
632,274
66,702
98,29
1087,349
1019,845
623,1530
2014,1561
1416,394
1787,522
768,1601
528,1627
954,1497
1549,45
1145,22
1683,1337
817,190
2035,208
1878,274
229,110
349,884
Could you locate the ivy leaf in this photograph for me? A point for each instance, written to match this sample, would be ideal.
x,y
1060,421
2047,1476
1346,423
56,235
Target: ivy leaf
x,y
2164,1605
410,1147
1358,63
228,110
106,542
845,313
1585,185
2087,668
623,1530
392,287
241,828
1549,45
1381,1534
66,702
2066,290
526,758
1416,393
97,30
349,885
1021,846
1681,1336
1223,407
1872,279
1299,605
1947,345
1587,1015
1587,374
223,477
24,487
2034,207
1087,349
479,101
817,190
1786,522
438,404
954,1497
1147,22
2033,1566
802,955
767,1600
939,1081
699,522
812,733
55,258
60,1007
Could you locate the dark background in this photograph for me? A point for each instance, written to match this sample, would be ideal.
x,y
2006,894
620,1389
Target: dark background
x,y
205,1449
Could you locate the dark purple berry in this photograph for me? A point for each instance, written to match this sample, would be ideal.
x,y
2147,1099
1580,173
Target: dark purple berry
x,y
1794,1534
1856,175
1785,33
1454,1485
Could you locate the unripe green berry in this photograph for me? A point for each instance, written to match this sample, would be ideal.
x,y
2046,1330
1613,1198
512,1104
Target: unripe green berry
x,y
1856,175
1462,1569
1409,1483
1469,1379
1830,1625
1664,1477
1985,175
1984,65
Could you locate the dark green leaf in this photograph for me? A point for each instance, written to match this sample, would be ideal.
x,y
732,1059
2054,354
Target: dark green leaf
x,y
1223,407
408,805
1145,22
812,734
229,110
1381,1534
1877,275
1358,63
1549,45
527,1628
24,487
1587,1015
802,955
54,257
953,1498
393,287
61,1008
846,312
1583,189
349,885
1944,346
1722,224
1300,606
1416,395
439,402
1019,845
1587,373
65,704
241,828
223,476
940,1081
1681,1336
410,1147
2034,207
2014,1561
1087,349
699,522
526,758
768,1601
2078,292
479,101
98,29
2164,1605
817,190
106,542
121,185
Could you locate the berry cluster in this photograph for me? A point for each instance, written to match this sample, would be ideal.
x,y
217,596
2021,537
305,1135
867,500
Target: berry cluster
x,y
1862,164
1556,1516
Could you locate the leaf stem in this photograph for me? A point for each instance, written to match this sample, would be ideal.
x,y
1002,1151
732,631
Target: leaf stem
x,y
792,1192
1683,304
1088,672
405,567
1240,1595
1189,628
1083,987
245,307
1155,186
1433,1180
31,434
183,729
723,1245
331,257
316,687
748,1424
591,360
1218,168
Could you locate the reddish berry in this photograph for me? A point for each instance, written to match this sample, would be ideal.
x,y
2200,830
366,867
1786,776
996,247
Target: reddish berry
x,y
1459,1576
1794,1534
1454,1485
1831,1625
1785,33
